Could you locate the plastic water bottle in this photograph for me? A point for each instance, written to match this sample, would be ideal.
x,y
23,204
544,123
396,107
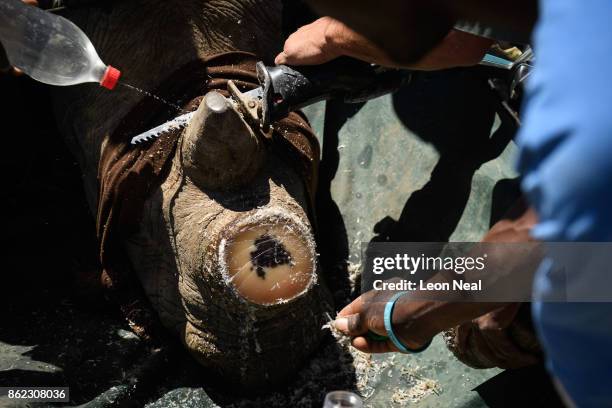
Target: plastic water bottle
x,y
50,48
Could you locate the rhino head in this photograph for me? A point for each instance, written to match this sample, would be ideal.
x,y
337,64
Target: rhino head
x,y
226,252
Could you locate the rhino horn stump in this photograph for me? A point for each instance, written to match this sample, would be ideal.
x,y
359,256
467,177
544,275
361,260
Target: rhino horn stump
x,y
220,151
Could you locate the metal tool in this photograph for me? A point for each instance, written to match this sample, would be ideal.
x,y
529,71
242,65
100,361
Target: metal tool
x,y
520,68
284,89
510,87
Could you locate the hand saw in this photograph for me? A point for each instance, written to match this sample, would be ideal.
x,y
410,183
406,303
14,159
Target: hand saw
x,y
283,89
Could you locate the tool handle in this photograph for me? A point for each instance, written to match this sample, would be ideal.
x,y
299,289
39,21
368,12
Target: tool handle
x,y
288,88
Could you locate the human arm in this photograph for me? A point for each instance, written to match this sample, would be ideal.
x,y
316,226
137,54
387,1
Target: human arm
x,y
417,321
407,30
328,38
414,322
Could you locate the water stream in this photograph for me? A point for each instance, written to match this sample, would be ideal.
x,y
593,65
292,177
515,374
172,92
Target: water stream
x,y
150,95
177,123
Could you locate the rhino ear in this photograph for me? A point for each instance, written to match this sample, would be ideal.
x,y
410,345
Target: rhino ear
x,y
220,151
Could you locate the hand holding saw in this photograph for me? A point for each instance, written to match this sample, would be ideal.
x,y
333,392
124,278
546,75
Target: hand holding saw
x,y
283,89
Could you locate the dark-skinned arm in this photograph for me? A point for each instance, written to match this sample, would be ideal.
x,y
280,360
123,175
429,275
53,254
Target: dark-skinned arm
x,y
415,322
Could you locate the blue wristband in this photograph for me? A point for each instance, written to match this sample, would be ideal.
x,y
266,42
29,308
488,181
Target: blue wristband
x,y
389,327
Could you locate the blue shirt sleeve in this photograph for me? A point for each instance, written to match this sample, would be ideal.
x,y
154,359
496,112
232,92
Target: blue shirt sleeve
x,y
566,142
566,162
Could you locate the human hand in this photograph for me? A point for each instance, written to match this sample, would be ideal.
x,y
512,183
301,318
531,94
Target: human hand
x,y
5,66
311,44
366,314
414,322
501,338
504,337
326,39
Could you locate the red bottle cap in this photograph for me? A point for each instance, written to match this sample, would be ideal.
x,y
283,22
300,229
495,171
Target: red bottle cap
x,y
110,78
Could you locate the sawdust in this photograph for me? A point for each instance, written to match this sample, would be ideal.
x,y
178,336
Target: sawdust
x,y
354,273
368,371
417,387
341,338
338,366
366,368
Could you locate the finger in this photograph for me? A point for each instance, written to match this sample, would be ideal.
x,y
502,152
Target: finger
x,y
307,57
281,59
303,50
353,325
296,56
366,345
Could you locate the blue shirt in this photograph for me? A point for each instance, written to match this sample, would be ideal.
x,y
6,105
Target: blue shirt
x,y
566,161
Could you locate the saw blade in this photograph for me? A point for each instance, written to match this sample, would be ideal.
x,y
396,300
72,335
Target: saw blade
x,y
247,102
177,123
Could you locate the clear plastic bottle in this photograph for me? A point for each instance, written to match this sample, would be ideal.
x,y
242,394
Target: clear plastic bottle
x,y
50,48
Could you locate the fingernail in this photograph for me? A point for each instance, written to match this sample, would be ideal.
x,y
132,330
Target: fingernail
x,y
341,324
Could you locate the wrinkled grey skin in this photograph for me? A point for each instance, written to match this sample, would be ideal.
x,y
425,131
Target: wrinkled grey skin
x,y
177,252
148,40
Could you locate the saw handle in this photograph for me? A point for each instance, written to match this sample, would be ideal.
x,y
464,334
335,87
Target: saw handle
x,y
286,88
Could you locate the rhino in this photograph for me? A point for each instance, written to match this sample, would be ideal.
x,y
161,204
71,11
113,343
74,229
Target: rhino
x,y
220,237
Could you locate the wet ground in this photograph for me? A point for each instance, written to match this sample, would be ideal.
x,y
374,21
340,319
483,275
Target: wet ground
x,y
391,170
